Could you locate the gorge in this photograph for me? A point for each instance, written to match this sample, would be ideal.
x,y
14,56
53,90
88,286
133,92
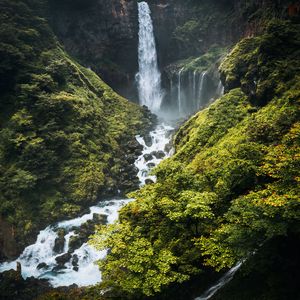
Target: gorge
x,y
189,189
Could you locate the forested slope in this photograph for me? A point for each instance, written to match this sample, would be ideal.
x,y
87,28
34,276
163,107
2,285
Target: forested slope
x,y
230,190
63,132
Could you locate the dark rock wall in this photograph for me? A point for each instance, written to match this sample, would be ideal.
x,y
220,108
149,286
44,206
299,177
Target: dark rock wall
x,y
8,244
103,34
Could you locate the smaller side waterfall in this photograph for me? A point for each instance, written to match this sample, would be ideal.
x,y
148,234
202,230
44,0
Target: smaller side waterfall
x,y
201,85
221,283
220,89
194,86
179,100
149,77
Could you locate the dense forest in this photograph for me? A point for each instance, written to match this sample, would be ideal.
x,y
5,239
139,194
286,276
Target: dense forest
x,y
185,111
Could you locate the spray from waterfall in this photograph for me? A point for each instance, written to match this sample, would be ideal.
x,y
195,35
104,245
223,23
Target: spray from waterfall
x,y
148,77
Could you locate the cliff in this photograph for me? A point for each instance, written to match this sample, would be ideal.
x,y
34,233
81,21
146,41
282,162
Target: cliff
x,y
103,35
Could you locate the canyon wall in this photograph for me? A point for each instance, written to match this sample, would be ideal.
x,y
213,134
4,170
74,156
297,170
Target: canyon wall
x,y
103,34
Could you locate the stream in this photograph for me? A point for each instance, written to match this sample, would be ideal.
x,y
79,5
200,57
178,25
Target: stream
x,y
77,265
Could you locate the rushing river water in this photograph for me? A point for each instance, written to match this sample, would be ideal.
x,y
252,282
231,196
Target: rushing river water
x,y
40,259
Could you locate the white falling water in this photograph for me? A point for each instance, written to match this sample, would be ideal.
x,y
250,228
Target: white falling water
x,y
201,89
221,283
194,86
42,251
179,99
149,77
220,89
159,139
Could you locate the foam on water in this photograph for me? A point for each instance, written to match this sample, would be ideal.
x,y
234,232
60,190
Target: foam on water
x,y
42,251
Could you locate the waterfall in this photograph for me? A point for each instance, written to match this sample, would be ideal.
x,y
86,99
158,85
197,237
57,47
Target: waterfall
x,y
201,86
148,77
40,259
220,89
221,283
179,99
194,90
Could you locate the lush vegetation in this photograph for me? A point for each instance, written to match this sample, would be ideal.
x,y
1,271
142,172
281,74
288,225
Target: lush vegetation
x,y
63,132
221,22
232,187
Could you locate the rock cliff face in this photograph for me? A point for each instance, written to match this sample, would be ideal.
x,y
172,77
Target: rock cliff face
x,y
103,34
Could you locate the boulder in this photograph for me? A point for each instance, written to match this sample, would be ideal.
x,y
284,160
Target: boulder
x,y
59,241
100,219
62,259
148,140
42,265
149,181
138,152
151,165
75,260
148,157
158,154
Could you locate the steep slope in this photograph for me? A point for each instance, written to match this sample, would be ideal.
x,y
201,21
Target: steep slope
x,y
230,190
64,134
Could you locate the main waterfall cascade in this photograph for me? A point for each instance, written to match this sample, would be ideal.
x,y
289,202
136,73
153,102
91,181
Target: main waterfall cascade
x,y
148,77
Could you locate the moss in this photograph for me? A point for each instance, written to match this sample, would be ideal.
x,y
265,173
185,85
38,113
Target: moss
x,y
260,65
205,62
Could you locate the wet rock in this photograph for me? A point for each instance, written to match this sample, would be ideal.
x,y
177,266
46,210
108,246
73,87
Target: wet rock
x,y
151,165
42,265
168,147
74,243
14,287
148,157
62,259
58,268
75,260
158,154
59,241
138,152
148,140
149,181
75,269
100,219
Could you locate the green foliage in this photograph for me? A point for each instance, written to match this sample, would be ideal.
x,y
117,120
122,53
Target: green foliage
x,y
206,62
62,129
232,185
263,65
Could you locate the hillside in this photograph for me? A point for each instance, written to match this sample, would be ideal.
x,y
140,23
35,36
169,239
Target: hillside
x,y
230,190
63,132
